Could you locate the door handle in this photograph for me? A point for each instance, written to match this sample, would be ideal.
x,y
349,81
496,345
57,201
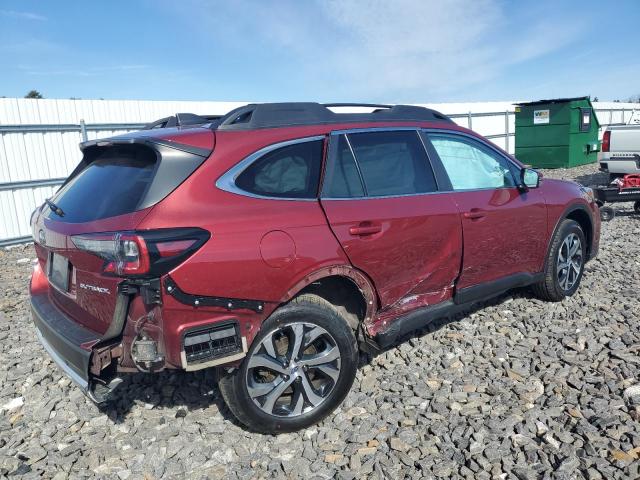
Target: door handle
x,y
365,229
474,214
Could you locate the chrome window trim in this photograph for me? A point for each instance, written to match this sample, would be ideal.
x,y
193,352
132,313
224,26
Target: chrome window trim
x,y
227,181
389,196
440,192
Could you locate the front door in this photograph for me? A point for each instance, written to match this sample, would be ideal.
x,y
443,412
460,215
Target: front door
x,y
503,227
382,203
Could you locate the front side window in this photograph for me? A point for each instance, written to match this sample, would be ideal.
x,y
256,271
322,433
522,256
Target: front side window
x,y
470,165
291,171
377,164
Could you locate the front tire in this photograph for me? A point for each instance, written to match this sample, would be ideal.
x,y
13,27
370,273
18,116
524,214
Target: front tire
x,y
299,368
564,265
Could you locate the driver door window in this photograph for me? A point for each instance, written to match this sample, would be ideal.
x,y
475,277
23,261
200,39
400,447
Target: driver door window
x,y
470,165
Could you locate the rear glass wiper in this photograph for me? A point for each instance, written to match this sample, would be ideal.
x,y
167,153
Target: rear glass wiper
x,y
54,208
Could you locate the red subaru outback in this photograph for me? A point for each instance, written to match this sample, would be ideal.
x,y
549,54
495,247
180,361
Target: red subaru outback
x,y
277,241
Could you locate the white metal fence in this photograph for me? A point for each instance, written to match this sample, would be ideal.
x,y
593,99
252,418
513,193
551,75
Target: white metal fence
x,y
39,140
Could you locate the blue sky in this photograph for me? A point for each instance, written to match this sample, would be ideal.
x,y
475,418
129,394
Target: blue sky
x,y
370,51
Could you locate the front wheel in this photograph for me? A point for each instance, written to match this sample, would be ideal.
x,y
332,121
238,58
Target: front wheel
x,y
299,368
564,264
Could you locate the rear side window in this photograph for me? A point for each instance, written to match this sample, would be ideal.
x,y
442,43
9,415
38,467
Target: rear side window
x,y
112,184
292,171
389,163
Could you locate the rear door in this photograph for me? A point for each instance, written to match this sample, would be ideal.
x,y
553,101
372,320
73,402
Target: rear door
x,y
382,202
503,227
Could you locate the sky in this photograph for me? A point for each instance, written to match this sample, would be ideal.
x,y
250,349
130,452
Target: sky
x,y
392,51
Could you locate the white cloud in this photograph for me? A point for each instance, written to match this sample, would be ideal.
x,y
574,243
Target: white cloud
x,y
385,50
22,15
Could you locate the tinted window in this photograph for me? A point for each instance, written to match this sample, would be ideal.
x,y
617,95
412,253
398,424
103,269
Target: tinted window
x,y
113,184
392,163
288,172
471,165
342,179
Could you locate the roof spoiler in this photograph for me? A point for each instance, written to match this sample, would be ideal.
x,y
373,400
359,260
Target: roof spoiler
x,y
181,120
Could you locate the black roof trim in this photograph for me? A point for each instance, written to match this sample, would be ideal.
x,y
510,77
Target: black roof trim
x,y
273,115
181,120
553,100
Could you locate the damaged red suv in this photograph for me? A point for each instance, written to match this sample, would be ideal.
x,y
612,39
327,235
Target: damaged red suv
x,y
275,242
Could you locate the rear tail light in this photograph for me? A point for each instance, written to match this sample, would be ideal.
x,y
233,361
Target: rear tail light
x,y
147,253
171,248
606,141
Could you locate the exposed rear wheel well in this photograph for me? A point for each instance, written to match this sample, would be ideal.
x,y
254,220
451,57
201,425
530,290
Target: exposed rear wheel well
x,y
584,220
343,293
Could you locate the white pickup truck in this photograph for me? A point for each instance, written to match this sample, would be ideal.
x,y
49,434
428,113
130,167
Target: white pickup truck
x,y
621,148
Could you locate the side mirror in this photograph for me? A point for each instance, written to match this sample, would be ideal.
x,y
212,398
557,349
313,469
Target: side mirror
x,y
529,178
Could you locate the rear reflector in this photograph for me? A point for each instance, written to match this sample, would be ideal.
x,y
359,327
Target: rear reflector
x,y
211,343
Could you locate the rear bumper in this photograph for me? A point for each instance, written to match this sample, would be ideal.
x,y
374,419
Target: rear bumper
x,y
68,343
621,164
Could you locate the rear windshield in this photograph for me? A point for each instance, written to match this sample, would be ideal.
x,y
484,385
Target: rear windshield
x,y
112,184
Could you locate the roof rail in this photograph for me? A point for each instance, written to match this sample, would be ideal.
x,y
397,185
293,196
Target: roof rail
x,y
181,120
273,115
369,105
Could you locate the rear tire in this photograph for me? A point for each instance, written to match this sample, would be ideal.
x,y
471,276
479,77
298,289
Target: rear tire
x,y
299,368
564,264
636,206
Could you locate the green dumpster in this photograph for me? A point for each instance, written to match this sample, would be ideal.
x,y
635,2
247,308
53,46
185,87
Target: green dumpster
x,y
557,133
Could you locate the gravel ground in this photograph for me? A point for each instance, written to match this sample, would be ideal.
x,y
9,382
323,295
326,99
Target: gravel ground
x,y
519,389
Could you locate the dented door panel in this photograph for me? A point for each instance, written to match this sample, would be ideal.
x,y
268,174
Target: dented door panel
x,y
417,251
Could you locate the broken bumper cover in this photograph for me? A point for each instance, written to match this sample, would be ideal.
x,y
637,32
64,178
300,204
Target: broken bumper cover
x,y
68,343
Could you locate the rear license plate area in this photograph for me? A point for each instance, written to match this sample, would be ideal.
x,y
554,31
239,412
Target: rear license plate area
x,y
58,271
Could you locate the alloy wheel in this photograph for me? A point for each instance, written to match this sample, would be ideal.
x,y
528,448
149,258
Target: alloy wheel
x,y
293,369
570,261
